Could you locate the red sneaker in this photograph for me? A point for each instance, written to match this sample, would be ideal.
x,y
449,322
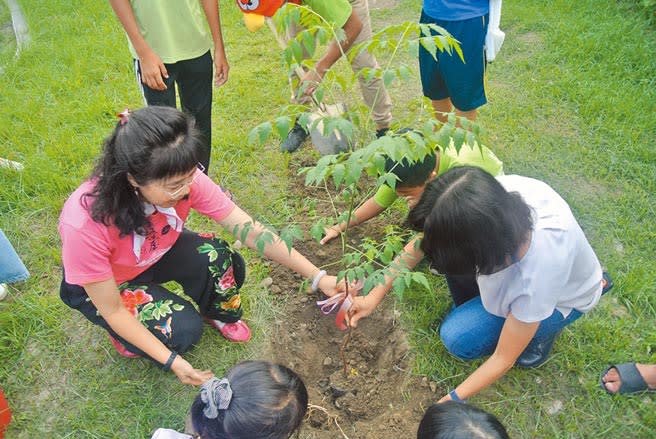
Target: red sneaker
x,y
237,332
121,349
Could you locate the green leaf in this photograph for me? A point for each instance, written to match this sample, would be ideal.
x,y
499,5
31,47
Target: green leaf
x,y
388,77
317,230
289,233
260,133
282,126
399,286
177,307
297,50
421,279
429,44
404,73
338,174
458,138
309,43
245,230
263,240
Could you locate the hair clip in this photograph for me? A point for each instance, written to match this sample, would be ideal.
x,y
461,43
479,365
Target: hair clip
x,y
124,116
216,394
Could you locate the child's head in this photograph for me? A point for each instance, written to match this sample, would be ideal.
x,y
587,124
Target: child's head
x,y
411,175
470,222
147,156
256,399
455,420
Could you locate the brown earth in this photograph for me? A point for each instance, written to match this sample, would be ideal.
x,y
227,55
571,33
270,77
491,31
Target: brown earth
x,y
378,397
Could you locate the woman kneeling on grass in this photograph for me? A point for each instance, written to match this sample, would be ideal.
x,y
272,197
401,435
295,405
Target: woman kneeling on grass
x,y
518,266
123,236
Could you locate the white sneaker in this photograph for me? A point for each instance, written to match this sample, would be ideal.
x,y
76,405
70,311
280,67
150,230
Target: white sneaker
x,y
3,291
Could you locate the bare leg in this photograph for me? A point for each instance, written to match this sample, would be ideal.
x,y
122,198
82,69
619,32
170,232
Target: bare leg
x,y
441,107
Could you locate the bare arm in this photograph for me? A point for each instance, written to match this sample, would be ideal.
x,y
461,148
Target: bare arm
x,y
106,298
211,8
365,305
277,250
152,67
514,338
368,210
352,29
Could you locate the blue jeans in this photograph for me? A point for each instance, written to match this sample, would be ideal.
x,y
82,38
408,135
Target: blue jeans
x,y
11,266
470,332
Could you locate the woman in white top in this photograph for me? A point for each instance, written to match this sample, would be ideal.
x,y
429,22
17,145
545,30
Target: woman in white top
x,y
518,266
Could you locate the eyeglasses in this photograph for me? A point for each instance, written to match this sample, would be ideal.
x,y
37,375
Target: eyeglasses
x,y
174,193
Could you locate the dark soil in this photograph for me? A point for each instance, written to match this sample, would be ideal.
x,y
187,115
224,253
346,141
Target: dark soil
x,y
379,397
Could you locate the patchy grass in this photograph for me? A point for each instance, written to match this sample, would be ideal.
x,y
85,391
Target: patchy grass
x,y
572,101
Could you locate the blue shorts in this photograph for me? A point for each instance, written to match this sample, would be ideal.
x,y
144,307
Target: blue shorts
x,y
448,76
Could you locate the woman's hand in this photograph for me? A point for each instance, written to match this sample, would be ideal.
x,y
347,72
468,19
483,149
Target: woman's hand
x,y
328,285
187,374
330,233
362,306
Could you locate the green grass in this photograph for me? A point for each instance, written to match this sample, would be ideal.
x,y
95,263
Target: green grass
x,y
572,101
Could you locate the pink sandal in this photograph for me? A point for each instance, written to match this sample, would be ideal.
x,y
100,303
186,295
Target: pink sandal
x,y
122,350
237,332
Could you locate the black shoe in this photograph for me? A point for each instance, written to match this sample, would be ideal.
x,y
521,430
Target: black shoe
x,y
381,132
295,139
537,352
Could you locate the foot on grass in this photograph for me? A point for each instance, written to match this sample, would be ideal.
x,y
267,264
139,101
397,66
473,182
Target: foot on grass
x,y
612,380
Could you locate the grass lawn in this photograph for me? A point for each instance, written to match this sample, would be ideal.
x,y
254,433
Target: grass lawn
x,y
572,101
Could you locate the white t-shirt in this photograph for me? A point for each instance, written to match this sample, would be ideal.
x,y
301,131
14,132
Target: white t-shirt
x,y
559,271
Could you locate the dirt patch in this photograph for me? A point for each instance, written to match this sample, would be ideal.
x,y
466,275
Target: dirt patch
x,y
378,397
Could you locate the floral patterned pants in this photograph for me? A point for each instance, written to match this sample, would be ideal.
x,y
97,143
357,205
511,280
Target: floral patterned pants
x,y
209,272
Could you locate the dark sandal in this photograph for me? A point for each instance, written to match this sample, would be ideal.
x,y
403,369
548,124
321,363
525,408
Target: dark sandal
x,y
606,283
632,381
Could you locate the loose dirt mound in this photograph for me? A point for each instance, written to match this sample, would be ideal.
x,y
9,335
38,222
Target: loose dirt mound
x,y
378,397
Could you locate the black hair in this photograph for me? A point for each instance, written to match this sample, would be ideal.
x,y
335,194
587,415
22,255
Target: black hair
x,y
150,144
411,174
470,222
268,401
455,420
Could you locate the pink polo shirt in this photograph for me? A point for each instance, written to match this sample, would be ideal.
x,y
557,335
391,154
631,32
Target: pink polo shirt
x,y
93,252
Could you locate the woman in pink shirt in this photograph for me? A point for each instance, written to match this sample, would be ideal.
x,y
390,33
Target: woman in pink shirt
x,y
123,236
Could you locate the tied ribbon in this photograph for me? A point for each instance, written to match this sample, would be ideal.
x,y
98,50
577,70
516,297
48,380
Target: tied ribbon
x,y
342,301
123,116
216,394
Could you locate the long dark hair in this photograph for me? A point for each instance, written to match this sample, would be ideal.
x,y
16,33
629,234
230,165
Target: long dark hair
x,y
151,144
470,222
268,401
455,420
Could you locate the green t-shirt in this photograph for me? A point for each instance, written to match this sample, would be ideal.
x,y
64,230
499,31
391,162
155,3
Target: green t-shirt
x,y
483,158
333,11
176,30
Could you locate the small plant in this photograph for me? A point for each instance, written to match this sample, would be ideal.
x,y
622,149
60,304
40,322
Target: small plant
x,y
342,175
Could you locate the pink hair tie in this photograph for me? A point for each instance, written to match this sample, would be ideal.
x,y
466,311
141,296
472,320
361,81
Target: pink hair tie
x,y
124,116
